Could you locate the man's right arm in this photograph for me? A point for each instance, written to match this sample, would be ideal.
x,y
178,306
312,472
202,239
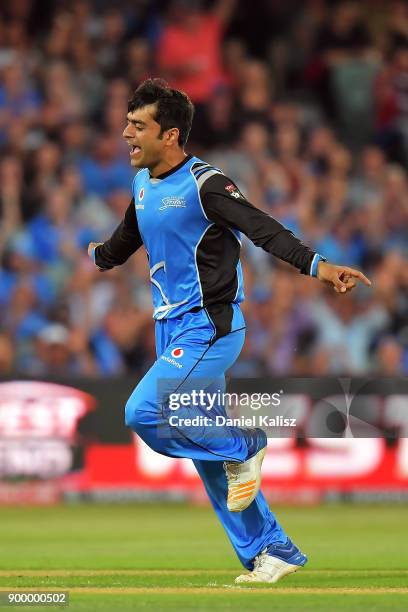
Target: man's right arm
x,y
125,241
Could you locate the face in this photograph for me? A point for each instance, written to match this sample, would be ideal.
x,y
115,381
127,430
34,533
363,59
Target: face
x,y
142,133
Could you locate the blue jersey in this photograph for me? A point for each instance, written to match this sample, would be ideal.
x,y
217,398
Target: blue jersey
x,y
190,221
174,229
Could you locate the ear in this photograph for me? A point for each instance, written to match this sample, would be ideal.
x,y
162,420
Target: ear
x,y
172,136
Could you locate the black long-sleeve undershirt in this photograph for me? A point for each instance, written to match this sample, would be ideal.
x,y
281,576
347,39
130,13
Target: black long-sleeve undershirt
x,y
225,205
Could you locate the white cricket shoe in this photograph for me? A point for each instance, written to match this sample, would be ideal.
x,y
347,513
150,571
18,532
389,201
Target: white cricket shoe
x,y
268,568
244,481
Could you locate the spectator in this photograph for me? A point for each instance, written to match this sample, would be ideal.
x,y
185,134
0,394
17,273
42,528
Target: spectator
x,y
392,104
189,49
104,171
389,357
18,98
6,355
59,352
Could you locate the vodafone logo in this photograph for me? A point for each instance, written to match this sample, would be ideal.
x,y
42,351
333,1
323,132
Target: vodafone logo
x,y
175,354
141,194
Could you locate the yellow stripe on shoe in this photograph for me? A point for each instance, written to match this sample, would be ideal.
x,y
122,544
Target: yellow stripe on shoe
x,y
244,481
242,496
242,487
245,490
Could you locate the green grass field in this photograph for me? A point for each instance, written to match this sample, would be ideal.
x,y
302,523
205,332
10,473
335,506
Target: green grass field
x,y
176,557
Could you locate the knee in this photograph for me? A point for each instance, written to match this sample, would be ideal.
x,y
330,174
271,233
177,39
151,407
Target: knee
x,y
143,421
135,413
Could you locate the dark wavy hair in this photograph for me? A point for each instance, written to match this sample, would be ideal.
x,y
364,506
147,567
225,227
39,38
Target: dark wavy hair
x,y
174,108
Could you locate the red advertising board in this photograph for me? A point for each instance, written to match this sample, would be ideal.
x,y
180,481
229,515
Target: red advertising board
x,y
289,473
50,447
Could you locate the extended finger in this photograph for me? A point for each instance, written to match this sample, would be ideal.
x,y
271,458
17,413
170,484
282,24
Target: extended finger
x,y
359,275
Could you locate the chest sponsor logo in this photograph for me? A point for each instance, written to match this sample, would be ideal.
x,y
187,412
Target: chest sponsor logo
x,y
140,198
173,202
232,190
177,352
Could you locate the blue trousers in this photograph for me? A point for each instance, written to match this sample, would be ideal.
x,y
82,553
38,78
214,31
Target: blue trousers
x,y
188,361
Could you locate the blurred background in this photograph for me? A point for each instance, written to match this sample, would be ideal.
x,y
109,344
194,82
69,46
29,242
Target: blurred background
x,y
306,109
303,104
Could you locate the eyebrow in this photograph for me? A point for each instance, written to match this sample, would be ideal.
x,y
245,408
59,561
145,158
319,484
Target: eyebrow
x,y
136,121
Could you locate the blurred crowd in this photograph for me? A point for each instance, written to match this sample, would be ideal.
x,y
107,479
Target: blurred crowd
x,y
303,104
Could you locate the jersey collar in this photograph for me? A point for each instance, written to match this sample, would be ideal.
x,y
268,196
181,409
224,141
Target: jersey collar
x,y
171,171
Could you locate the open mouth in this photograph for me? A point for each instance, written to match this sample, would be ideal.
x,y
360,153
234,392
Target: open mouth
x,y
134,149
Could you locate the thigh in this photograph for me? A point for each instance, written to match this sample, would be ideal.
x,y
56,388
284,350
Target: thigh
x,y
210,367
186,365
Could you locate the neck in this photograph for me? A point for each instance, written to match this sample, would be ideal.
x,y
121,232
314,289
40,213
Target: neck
x,y
171,159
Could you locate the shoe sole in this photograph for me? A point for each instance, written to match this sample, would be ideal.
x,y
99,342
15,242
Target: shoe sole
x,y
285,570
244,503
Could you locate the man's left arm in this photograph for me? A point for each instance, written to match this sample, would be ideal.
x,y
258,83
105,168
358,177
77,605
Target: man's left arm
x,y
225,205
